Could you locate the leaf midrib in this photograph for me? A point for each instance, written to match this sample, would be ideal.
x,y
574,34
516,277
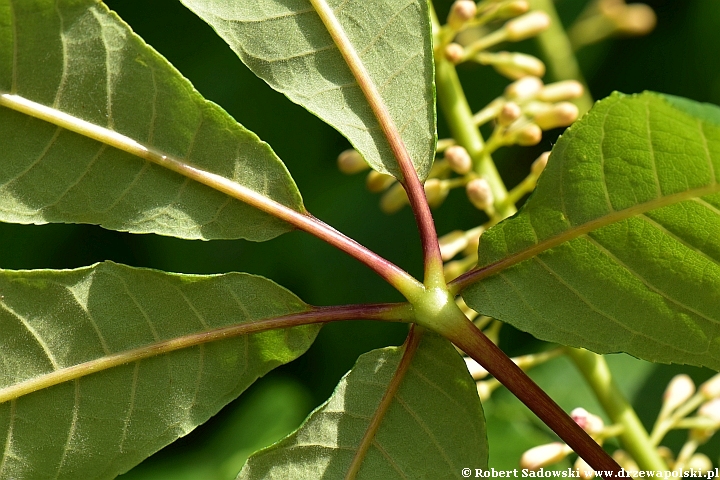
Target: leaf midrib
x,y
577,231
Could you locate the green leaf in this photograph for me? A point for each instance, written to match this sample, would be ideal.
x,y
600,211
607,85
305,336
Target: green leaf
x,y
618,249
433,428
287,45
81,59
114,407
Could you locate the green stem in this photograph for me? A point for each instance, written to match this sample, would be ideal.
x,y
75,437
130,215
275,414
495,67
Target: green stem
x,y
558,53
462,127
634,437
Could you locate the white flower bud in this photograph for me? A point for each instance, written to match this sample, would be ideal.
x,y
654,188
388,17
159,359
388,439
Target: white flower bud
x,y
377,182
560,115
526,26
699,462
394,199
544,455
479,192
584,470
454,52
539,164
460,12
561,91
529,135
483,390
350,161
452,243
636,19
711,409
476,370
625,461
592,424
458,159
711,387
436,191
524,89
513,65
510,112
678,391
512,9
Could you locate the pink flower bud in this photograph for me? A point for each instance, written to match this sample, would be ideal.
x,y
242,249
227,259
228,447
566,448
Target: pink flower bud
x,y
592,424
460,12
510,112
529,135
454,52
479,192
458,159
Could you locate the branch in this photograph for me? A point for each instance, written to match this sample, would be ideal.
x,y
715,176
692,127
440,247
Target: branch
x,y
392,312
394,275
474,343
416,193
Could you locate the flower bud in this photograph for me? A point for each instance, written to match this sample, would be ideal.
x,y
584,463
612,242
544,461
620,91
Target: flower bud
x,y
711,409
636,19
510,112
666,454
452,243
479,192
476,370
460,12
561,91
711,387
699,462
513,65
527,25
454,52
625,461
350,161
539,164
436,191
458,159
678,391
592,424
544,455
394,199
524,89
529,135
584,470
512,9
483,390
377,182
560,115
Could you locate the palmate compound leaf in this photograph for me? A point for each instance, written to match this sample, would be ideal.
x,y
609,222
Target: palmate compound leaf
x,y
618,249
434,426
286,44
100,425
81,59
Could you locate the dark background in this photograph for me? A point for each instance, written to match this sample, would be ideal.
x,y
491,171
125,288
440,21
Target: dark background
x,y
680,57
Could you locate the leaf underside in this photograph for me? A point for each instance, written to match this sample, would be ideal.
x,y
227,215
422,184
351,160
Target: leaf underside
x,y
79,58
432,429
286,44
618,249
100,425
